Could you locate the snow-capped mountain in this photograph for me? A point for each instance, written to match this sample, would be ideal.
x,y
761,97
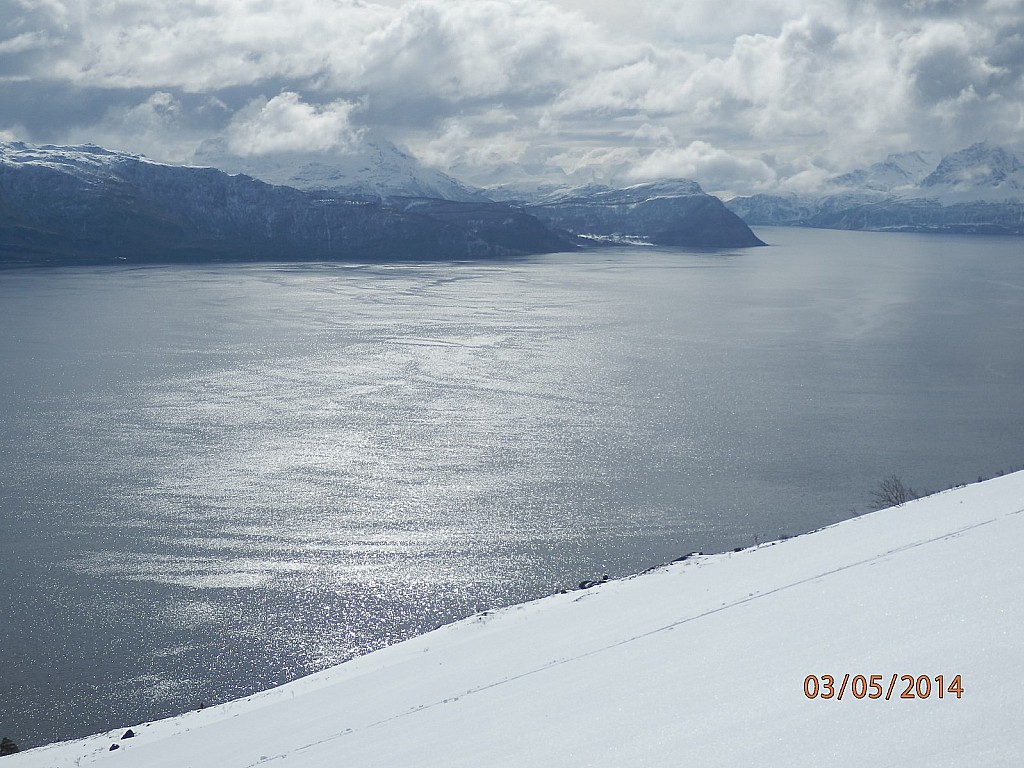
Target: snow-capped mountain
x,y
86,204
900,171
87,162
977,189
373,168
980,172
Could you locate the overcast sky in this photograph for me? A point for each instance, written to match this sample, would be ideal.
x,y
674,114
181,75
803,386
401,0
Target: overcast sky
x,y
736,94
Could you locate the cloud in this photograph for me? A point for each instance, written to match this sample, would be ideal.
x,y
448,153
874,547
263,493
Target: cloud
x,y
27,41
549,86
12,133
31,34
845,87
163,126
491,139
714,24
463,50
286,124
717,169
452,50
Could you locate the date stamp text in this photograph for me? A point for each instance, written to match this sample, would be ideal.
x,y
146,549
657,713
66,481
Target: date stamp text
x,y
880,686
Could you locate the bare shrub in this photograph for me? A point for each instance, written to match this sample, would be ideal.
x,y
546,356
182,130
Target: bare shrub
x,y
891,492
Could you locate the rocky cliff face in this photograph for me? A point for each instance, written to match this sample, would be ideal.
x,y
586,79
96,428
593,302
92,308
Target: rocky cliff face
x,y
90,205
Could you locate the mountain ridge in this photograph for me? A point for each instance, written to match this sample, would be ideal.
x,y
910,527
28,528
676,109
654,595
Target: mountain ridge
x,y
87,204
979,189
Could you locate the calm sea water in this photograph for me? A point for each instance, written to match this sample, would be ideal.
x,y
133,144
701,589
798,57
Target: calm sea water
x,y
214,479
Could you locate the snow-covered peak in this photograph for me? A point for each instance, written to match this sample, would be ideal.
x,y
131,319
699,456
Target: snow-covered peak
x,y
899,171
374,167
979,167
980,173
82,161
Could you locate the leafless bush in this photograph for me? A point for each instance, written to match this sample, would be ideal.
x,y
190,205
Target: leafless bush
x,y
891,492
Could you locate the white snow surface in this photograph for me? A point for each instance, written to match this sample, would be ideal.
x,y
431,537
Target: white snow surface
x,y
701,662
86,161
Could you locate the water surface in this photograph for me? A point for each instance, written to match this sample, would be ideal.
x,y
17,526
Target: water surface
x,y
217,478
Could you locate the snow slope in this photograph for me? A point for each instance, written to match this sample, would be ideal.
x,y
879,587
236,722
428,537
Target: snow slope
x,y
700,662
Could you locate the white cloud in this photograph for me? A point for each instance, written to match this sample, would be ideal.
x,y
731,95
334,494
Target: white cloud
x,y
556,85
158,127
12,133
716,169
459,50
491,139
447,49
286,124
26,41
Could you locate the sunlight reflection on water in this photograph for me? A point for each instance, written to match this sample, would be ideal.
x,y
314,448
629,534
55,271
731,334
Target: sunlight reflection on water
x,y
221,478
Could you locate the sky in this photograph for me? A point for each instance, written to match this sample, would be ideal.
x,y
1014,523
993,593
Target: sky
x,y
740,95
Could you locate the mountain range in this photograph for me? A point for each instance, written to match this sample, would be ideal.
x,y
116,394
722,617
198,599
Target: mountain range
x,y
87,204
979,189
671,212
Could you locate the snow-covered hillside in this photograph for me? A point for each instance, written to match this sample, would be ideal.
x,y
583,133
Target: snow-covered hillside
x,y
374,167
88,162
703,662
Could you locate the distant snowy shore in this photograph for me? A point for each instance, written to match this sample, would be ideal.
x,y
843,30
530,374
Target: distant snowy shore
x,y
713,661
